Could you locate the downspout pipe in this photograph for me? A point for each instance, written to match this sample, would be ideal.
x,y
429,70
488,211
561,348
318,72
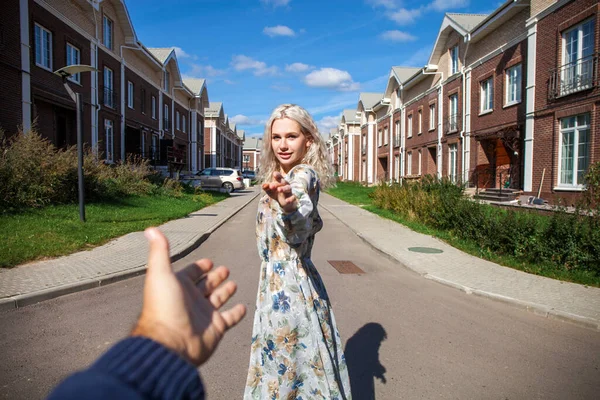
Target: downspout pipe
x,y
464,110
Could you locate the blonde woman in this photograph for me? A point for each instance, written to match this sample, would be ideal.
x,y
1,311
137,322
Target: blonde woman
x,y
296,348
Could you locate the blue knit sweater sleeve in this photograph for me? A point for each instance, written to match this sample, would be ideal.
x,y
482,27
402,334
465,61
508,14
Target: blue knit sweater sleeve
x,y
135,368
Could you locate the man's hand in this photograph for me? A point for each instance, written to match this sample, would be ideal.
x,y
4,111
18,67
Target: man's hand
x,y
281,191
181,311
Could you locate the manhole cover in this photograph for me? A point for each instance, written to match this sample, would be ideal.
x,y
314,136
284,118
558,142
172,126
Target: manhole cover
x,y
346,267
426,250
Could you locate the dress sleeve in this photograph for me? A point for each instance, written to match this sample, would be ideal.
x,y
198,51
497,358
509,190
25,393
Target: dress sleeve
x,y
295,227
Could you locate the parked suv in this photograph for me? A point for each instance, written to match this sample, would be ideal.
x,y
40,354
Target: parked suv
x,y
226,178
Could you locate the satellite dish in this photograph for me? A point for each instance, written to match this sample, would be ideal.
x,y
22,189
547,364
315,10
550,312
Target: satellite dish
x,y
71,70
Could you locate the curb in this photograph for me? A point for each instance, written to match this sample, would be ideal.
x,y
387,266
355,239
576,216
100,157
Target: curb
x,y
538,309
27,299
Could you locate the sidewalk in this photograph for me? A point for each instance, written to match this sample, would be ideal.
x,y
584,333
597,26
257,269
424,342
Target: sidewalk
x,y
119,259
544,296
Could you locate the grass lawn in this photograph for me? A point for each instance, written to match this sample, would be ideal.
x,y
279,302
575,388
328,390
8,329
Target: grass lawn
x,y
357,194
56,230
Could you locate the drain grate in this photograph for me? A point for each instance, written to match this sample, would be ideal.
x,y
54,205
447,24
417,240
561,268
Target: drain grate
x,y
426,250
346,267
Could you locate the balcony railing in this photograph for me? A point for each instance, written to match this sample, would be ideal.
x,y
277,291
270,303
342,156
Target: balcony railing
x,y
110,98
573,77
452,123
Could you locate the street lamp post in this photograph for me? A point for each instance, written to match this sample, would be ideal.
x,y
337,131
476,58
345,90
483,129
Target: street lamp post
x,y
65,73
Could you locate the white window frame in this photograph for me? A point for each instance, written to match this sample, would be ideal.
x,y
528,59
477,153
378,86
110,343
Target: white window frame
x,y
109,132
386,132
454,60
107,32
576,130
167,81
453,112
154,147
73,58
379,138
487,96
409,126
581,63
453,162
419,167
514,83
420,114
130,94
409,163
397,135
183,123
432,116
153,103
43,47
109,78
397,166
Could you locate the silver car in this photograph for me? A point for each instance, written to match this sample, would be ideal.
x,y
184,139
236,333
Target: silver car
x,y
227,178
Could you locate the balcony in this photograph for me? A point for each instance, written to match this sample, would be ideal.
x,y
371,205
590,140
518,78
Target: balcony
x,y
452,123
110,98
573,77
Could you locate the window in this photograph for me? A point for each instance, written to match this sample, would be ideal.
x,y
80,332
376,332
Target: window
x,y
167,81
513,85
143,101
420,121
183,123
420,162
577,72
397,135
130,94
385,135
107,31
73,58
177,121
453,162
43,47
409,163
397,166
154,148
454,60
574,151
409,126
453,113
109,97
153,105
166,125
431,117
487,95
379,138
108,130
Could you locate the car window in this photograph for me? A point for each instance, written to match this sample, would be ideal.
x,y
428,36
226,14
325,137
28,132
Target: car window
x,y
206,171
216,172
226,172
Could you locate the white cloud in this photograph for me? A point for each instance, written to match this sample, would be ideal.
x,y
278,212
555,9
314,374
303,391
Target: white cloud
x,y
443,5
204,71
327,123
404,16
281,88
279,30
398,36
227,81
298,67
331,78
241,119
242,63
389,4
276,3
181,54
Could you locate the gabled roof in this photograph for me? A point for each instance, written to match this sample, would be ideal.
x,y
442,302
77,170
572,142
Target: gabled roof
x,y
214,109
161,53
461,23
369,100
125,22
241,134
497,18
194,85
400,75
349,117
253,143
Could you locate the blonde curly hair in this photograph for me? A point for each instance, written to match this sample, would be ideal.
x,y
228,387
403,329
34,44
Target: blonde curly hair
x,y
316,155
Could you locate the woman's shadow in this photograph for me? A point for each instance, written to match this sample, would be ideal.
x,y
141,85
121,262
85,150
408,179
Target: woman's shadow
x,y
362,358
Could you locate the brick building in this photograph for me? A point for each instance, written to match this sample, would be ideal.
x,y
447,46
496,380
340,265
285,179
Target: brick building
x,y
251,156
349,132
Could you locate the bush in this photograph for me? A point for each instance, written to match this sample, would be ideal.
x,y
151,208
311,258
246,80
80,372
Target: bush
x,y
34,173
564,240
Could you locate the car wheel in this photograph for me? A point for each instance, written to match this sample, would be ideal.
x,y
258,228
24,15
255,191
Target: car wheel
x,y
228,186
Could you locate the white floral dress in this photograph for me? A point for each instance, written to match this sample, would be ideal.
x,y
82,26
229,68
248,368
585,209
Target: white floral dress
x,y
296,348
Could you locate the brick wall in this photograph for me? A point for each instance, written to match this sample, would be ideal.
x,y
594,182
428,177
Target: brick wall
x,y
11,114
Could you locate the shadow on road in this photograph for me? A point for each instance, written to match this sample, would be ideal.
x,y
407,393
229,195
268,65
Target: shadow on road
x,y
362,357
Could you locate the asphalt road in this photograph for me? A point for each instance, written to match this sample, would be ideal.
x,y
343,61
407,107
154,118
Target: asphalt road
x,y
426,341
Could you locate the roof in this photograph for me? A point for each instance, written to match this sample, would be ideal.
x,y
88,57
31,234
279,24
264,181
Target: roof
x,y
195,85
350,116
213,109
467,21
161,53
253,143
405,73
241,134
370,99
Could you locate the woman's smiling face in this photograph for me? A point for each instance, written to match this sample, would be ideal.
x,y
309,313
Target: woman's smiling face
x,y
288,143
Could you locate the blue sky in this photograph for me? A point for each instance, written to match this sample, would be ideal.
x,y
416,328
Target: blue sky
x,y
257,54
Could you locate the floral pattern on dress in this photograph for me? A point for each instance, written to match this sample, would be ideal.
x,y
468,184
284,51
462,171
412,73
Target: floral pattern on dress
x,y
296,351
